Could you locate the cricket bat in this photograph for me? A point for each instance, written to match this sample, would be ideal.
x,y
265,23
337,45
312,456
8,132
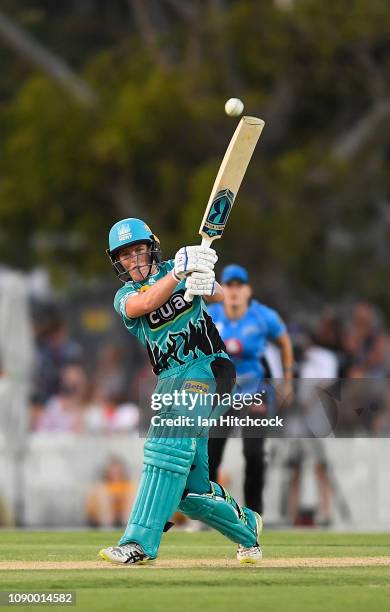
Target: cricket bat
x,y
228,181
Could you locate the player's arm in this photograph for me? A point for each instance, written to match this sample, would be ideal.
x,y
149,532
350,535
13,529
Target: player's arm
x,y
286,353
142,303
277,332
287,357
191,259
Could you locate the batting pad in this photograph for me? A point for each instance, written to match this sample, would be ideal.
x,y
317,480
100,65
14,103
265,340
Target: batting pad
x,y
167,462
220,511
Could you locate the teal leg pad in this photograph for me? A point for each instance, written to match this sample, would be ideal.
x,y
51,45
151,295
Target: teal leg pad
x,y
220,511
167,462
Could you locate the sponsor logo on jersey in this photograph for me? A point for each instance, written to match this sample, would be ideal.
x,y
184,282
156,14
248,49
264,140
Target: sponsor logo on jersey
x,y
196,387
234,347
173,308
249,330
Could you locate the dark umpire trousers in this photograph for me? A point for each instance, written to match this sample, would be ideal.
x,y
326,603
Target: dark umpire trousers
x,y
254,455
254,476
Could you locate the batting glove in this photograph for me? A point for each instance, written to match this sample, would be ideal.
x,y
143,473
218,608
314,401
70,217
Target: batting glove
x,y
193,259
201,283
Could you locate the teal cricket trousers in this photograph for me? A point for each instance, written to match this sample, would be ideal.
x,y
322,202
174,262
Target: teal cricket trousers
x,y
175,470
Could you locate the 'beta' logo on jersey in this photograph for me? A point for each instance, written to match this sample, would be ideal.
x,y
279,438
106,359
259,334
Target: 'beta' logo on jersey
x,y
169,311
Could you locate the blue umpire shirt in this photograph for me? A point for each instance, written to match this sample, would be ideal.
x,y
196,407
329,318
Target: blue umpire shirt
x,y
246,340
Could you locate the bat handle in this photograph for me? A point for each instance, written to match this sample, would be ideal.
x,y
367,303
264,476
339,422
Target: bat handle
x,y
188,295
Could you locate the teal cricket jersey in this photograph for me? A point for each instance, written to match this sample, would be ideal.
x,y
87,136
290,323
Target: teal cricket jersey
x,y
176,333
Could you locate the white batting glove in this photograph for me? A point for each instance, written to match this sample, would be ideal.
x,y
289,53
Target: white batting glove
x,y
201,283
193,259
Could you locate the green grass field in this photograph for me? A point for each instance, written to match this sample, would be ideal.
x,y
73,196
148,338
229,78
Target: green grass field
x,y
181,584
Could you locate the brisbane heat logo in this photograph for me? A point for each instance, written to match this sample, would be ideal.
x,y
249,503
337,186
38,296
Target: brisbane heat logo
x,y
174,307
218,213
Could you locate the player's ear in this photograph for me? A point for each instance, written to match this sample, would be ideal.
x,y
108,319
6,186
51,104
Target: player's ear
x,y
248,291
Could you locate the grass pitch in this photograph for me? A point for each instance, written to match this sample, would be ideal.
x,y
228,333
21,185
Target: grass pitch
x,y
196,571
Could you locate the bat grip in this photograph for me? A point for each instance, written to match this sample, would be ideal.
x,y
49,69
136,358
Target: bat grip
x,y
188,295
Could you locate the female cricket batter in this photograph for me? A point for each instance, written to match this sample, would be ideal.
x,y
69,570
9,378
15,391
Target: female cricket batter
x,y
186,352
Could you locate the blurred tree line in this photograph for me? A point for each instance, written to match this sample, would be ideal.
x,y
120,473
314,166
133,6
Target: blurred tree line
x,y
112,108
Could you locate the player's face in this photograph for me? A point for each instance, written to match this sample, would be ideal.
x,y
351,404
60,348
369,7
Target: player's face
x,y
237,294
136,260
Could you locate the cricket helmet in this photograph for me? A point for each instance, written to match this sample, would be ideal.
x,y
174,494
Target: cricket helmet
x,y
129,232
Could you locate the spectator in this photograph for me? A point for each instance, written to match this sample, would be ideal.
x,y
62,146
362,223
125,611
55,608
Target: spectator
x,y
366,343
328,335
317,368
107,416
110,499
303,454
55,350
6,517
111,378
65,411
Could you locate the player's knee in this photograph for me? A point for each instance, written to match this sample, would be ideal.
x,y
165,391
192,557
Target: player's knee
x,y
172,454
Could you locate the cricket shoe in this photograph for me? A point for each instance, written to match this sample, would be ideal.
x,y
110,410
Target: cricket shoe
x,y
126,554
252,554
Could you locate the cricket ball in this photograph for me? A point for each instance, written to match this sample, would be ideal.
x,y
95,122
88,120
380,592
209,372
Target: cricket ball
x,y
234,107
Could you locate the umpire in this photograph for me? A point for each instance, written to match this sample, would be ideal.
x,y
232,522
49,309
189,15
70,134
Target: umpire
x,y
246,326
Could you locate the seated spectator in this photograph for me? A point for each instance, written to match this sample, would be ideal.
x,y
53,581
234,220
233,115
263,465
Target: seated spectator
x,y
110,374
366,343
54,350
65,411
107,415
6,518
110,499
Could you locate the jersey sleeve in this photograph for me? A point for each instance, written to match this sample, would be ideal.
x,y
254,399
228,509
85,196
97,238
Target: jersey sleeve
x,y
120,300
275,325
169,264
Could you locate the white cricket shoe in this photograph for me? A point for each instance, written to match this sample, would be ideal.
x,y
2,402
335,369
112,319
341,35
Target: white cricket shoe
x,y
252,554
127,554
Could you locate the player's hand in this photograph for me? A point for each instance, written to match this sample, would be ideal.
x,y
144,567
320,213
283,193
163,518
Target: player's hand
x,y
194,259
285,393
201,283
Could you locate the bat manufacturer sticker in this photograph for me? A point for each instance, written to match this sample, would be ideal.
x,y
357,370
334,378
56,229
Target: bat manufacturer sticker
x,y
218,213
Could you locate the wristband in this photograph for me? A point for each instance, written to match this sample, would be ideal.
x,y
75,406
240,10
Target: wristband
x,y
175,277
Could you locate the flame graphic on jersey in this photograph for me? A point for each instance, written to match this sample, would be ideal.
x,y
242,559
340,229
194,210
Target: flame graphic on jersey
x,y
199,339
